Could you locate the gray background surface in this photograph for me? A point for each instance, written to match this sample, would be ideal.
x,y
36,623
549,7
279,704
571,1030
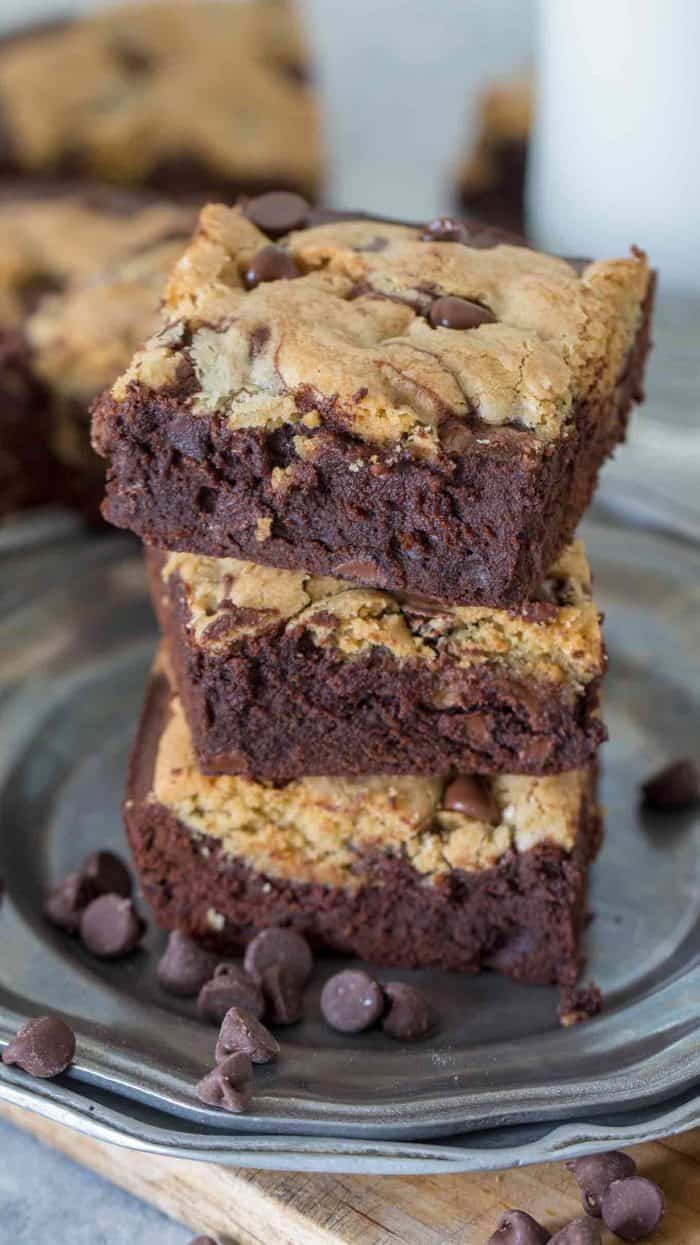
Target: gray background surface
x,y
398,79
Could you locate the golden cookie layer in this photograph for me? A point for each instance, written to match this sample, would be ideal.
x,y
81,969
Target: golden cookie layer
x,y
348,342
49,242
558,639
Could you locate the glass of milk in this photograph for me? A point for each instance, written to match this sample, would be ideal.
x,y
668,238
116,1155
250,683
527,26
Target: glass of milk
x,y
615,155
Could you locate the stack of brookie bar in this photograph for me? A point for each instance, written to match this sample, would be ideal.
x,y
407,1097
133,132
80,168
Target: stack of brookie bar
x,y
357,452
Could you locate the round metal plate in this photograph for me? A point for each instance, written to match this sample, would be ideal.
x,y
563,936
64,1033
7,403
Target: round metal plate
x,y
501,1083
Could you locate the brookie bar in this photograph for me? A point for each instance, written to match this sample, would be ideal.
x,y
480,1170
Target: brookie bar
x,y
402,871
491,182
190,98
81,277
412,408
283,674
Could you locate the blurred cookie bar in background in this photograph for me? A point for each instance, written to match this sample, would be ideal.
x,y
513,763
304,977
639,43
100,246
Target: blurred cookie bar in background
x,y
491,182
192,98
81,278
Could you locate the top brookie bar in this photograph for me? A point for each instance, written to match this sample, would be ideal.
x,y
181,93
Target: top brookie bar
x,y
198,98
411,407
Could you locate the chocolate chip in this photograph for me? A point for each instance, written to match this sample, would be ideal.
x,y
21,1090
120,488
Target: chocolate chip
x,y
228,1085
203,1240
277,945
258,340
242,1033
283,990
67,902
230,987
675,787
277,212
108,874
111,927
409,1017
594,1172
516,1227
458,313
43,1047
270,264
472,796
184,966
578,1232
632,1208
351,1001
444,229
134,60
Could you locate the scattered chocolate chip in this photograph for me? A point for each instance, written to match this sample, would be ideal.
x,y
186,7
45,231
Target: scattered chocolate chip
x,y
458,313
242,1033
67,902
184,966
111,927
277,212
277,945
473,796
270,264
230,987
351,1001
284,994
228,1085
594,1172
409,1017
675,787
108,874
43,1047
516,1227
632,1208
444,229
578,1232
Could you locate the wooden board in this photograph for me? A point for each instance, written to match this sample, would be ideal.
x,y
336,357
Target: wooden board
x,y
283,1208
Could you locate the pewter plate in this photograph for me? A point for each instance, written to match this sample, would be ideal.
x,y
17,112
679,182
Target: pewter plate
x,y
501,1083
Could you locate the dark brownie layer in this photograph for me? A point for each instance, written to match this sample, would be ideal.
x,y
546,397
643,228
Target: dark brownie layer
x,y
522,917
281,703
479,519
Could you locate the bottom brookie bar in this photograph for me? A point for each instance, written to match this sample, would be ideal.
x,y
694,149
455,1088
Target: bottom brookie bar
x,y
459,874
